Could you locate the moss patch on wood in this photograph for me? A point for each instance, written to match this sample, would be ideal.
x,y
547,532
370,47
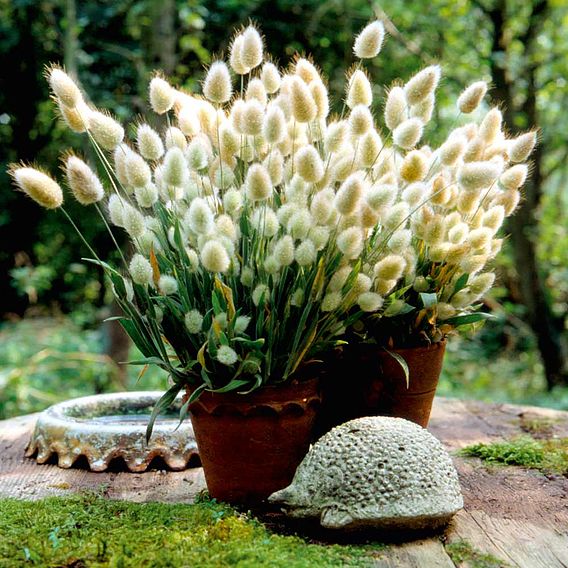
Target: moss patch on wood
x,y
462,553
549,456
87,530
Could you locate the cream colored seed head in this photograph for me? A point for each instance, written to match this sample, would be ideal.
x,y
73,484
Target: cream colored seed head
x,y
359,91
350,242
452,149
395,107
309,164
146,196
140,270
321,100
369,41
64,88
77,117
381,196
251,48
197,157
305,253
116,207
415,194
360,120
481,283
422,84
188,120
400,241
274,164
458,233
274,125
83,181
230,143
407,134
258,184
252,118
217,85
474,150
133,221
175,138
521,147
232,201
397,216
106,131
306,70
391,267
468,202
514,177
235,59
162,95
471,97
175,168
493,218
138,171
265,221
43,189
474,176
335,136
149,142
490,127
369,148
331,301
424,109
414,167
214,257
299,224
509,200
349,195
270,77
256,90
303,106
199,217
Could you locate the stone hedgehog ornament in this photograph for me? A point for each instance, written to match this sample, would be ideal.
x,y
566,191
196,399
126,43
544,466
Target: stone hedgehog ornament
x,y
375,472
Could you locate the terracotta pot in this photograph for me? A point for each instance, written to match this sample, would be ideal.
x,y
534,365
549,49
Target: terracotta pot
x,y
365,380
250,445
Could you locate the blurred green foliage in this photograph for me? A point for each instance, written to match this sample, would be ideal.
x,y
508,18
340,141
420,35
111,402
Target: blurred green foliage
x,y
114,48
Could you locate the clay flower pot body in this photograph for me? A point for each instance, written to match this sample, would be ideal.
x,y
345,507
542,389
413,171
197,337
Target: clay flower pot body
x,y
250,445
366,380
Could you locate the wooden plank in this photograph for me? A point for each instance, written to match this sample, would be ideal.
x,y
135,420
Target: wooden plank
x,y
428,553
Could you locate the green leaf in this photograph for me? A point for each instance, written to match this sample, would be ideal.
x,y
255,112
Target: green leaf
x,y
461,283
233,385
469,318
402,363
184,410
165,402
253,344
149,361
429,300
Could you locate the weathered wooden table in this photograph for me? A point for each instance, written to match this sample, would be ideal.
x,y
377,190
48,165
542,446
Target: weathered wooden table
x,y
516,515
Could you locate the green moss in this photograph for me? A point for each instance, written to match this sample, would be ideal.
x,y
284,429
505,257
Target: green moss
x,y
538,427
87,530
544,455
461,552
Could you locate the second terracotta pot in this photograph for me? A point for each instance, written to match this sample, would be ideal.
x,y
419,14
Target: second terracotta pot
x,y
366,380
250,445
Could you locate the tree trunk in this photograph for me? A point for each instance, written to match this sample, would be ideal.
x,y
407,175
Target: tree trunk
x,y
523,225
164,37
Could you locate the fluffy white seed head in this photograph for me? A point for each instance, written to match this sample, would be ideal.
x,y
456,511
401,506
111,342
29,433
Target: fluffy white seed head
x,y
473,176
255,90
175,167
265,221
251,48
514,177
395,107
305,253
424,109
217,85
302,103
188,120
422,84
414,167
349,195
64,88
490,127
83,181
175,138
197,157
258,184
309,164
369,148
320,96
140,270
270,77
360,120
359,90
146,196
274,125
336,136
274,164
200,217
116,208
261,293
397,216
235,59
227,355
299,224
369,41
381,196
284,250
133,221
471,97
77,117
252,118
350,242
391,267
214,257
331,301
193,321
106,131
138,172
480,284
162,95
407,134
452,149
43,189
521,147
370,301
150,144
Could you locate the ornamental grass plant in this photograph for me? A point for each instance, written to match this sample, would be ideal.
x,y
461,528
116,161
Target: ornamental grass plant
x,y
265,228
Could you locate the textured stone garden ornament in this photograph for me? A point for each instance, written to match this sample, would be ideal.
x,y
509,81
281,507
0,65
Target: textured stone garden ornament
x,y
375,472
110,426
